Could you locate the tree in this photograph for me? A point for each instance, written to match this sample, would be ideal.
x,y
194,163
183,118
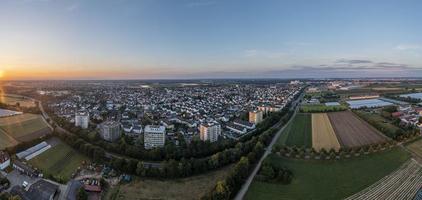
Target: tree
x,y
268,171
82,194
221,191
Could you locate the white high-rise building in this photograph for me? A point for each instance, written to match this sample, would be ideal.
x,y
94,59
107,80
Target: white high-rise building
x,y
154,136
210,132
110,131
82,119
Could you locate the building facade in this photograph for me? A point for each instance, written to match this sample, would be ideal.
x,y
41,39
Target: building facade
x,y
110,131
4,160
154,136
210,132
82,119
256,116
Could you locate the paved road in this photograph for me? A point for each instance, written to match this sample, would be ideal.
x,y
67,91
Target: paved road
x,y
242,192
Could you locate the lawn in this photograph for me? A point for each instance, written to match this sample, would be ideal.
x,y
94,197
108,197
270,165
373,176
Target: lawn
x,y
187,188
329,179
24,127
60,161
298,132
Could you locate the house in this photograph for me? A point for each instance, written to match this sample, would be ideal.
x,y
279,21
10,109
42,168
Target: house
x,y
245,124
40,190
4,160
25,169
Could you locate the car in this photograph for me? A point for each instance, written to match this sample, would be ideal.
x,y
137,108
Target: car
x,y
25,184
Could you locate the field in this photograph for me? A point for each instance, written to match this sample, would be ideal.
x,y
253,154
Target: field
x,y
6,140
335,179
352,131
298,133
323,136
416,148
14,99
187,188
24,127
382,124
402,184
60,161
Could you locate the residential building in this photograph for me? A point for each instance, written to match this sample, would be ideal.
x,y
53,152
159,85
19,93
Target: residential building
x,y
4,160
82,119
110,131
154,136
256,116
210,132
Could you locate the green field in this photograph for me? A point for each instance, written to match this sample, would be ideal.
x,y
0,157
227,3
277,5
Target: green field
x,y
382,124
60,161
319,108
24,127
298,132
328,179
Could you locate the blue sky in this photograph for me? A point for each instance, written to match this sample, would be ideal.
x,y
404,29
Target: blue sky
x,y
118,39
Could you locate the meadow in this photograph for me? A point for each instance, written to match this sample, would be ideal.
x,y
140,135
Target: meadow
x,y
179,189
333,179
60,161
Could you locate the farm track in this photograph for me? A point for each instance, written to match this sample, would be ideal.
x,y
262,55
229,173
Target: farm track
x,y
323,136
402,184
352,131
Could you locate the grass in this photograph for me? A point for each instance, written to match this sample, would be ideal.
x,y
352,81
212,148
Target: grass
x,y
321,108
298,133
60,161
187,188
23,125
416,147
329,179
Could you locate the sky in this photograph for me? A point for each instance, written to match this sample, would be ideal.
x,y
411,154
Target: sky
x,y
183,39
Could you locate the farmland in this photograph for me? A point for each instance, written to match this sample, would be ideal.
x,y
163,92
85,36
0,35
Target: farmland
x,y
187,188
6,140
15,99
401,184
323,136
352,131
298,133
24,127
416,148
316,179
60,161
382,124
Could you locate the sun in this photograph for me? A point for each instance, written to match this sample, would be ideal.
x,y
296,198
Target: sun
x,y
1,73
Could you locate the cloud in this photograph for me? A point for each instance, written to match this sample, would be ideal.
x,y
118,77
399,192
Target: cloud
x,y
405,47
200,3
352,61
263,53
72,7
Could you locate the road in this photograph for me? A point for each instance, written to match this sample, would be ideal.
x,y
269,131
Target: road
x,y
242,192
